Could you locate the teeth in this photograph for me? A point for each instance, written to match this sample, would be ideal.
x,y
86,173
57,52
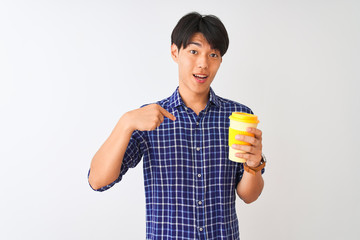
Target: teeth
x,y
201,76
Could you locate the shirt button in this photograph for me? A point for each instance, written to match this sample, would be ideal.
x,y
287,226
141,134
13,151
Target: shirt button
x,y
197,149
199,175
199,202
200,229
197,123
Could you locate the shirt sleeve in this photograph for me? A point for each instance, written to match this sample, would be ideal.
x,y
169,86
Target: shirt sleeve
x,y
133,154
239,174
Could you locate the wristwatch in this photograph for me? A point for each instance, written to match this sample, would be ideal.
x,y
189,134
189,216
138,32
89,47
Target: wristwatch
x,y
254,170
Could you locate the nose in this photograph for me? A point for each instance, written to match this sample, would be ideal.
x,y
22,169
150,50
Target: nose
x,y
202,62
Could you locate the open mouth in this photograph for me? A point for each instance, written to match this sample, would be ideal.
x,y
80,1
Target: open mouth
x,y
200,77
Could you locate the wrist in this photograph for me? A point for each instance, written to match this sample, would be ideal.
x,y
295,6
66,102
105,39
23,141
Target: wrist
x,y
126,122
254,164
254,170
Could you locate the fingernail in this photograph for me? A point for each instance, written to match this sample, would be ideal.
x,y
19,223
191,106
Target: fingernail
x,y
237,137
248,129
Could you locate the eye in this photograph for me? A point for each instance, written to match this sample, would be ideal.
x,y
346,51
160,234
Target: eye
x,y
214,55
193,51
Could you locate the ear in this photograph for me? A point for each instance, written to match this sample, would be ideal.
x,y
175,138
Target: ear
x,y
174,52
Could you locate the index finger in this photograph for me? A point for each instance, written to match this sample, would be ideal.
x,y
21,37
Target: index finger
x,y
167,114
255,131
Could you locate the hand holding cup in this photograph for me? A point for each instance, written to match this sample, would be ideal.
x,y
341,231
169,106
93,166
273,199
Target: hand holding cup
x,y
245,140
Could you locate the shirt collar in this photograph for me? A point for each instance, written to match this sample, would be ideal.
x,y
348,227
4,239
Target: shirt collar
x,y
214,98
175,99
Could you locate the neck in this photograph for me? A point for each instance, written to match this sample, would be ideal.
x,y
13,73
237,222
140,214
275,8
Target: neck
x,y
196,101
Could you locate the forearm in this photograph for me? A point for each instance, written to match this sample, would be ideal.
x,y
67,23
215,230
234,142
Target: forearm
x,y
106,163
250,187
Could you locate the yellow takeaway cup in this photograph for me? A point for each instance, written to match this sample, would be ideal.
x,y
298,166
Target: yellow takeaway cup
x,y
238,123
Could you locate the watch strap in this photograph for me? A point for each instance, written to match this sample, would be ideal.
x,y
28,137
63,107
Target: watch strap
x,y
254,170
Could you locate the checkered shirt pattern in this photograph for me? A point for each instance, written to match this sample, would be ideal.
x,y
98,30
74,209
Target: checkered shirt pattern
x,y
190,184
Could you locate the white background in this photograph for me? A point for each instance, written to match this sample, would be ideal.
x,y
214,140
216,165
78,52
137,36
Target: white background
x,y
70,69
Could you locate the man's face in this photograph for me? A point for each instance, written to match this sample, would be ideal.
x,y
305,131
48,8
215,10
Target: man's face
x,y
198,65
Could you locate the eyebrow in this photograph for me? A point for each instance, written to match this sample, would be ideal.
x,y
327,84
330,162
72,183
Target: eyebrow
x,y
196,43
199,45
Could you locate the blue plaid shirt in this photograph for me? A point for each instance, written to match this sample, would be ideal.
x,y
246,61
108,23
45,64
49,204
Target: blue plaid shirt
x,y
190,184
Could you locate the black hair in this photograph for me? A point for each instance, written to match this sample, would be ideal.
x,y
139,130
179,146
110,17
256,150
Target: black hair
x,y
209,25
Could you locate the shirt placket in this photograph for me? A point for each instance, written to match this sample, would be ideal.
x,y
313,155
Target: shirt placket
x,y
199,177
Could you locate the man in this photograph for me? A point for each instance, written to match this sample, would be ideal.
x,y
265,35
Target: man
x,y
190,183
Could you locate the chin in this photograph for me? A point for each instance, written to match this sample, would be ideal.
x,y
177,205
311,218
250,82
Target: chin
x,y
195,87
201,89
